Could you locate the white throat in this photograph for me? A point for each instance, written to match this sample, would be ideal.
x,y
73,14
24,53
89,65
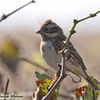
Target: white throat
x,y
49,54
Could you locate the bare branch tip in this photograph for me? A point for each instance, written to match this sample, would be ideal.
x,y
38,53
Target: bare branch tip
x,y
75,80
3,17
75,21
59,65
33,1
8,80
72,31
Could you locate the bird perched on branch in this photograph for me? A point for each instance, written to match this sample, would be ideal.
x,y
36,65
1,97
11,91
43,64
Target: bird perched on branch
x,y
52,41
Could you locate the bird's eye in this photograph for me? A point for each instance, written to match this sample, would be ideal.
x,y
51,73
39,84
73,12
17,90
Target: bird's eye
x,y
46,29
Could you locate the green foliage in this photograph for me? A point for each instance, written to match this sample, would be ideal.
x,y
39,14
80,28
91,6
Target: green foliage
x,y
41,76
9,54
9,51
88,93
44,82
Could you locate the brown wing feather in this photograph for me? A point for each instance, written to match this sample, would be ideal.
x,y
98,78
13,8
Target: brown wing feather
x,y
75,54
59,45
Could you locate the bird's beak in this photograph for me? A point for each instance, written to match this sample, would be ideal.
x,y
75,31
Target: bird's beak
x,y
39,32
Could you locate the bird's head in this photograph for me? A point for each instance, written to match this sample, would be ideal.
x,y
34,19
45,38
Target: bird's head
x,y
50,29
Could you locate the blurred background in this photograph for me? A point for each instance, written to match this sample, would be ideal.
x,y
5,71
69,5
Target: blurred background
x,y
19,40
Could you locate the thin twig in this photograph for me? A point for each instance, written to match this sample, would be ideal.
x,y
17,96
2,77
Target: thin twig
x,y
5,16
62,76
33,63
72,31
94,95
73,78
6,88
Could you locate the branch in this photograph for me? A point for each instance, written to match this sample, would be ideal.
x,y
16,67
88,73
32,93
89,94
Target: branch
x,y
73,78
65,53
62,76
5,16
33,63
72,31
6,88
94,97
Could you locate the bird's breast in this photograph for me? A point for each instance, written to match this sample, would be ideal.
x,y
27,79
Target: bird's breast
x,y
49,54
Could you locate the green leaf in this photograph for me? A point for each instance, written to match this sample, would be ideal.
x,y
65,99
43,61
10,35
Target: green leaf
x,y
44,82
41,76
89,93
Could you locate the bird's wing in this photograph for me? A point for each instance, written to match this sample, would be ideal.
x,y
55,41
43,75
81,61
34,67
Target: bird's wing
x,y
73,52
59,45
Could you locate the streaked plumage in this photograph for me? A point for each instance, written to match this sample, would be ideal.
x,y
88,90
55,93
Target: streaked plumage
x,y
52,42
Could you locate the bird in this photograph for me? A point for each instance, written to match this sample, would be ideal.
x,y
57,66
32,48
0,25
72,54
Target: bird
x,y
52,41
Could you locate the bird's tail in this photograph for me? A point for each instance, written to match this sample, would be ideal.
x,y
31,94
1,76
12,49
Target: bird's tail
x,y
91,83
